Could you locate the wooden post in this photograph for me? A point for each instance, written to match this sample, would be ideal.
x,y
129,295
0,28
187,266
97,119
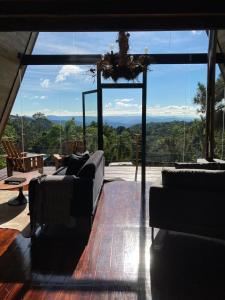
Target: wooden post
x,y
138,151
143,132
84,120
100,117
210,98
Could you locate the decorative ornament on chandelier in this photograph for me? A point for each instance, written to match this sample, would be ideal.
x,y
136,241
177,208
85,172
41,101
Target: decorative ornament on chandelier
x,y
121,64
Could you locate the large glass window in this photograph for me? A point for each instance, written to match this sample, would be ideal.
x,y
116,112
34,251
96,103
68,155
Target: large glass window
x,y
175,128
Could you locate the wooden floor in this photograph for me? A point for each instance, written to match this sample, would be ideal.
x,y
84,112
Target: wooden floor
x,y
113,265
117,263
153,174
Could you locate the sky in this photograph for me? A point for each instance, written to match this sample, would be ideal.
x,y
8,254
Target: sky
x,y
57,90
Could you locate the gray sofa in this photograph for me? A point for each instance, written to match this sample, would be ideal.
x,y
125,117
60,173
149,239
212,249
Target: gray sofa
x,y
190,201
67,195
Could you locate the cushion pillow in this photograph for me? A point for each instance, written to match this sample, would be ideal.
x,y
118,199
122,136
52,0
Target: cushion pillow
x,y
74,162
89,168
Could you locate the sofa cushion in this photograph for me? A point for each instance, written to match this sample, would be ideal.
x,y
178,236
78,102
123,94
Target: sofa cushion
x,y
89,168
74,163
193,178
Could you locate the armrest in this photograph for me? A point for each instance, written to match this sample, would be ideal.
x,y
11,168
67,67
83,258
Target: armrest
x,y
58,156
35,155
26,157
23,153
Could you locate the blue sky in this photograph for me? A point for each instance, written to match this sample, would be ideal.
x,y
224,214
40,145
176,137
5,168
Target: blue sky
x,y
57,89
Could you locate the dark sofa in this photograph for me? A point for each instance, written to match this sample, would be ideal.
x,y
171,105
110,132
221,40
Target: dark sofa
x,y
83,191
190,201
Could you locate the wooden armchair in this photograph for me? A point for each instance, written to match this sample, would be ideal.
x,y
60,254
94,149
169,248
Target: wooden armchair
x,y
68,147
21,161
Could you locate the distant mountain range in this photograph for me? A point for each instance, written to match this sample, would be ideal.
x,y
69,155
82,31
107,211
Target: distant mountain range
x,y
115,121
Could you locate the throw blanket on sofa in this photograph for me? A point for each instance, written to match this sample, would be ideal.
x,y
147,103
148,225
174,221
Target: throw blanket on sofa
x,y
55,195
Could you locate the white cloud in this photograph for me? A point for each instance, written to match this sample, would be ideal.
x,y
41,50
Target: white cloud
x,y
67,71
196,32
45,83
124,100
43,97
158,110
64,112
108,106
122,104
172,110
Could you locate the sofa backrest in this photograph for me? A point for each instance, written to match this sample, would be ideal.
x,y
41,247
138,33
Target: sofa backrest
x,y
197,165
89,168
194,178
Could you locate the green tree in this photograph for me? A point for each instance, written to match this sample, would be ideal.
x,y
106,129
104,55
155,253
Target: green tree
x,y
200,97
70,130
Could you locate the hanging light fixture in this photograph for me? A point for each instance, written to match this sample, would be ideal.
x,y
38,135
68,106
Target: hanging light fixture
x,y
121,64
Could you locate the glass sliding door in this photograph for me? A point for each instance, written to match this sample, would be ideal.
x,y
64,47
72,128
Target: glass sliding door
x,y
90,120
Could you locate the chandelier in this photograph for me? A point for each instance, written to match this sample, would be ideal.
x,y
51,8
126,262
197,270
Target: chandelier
x,y
121,64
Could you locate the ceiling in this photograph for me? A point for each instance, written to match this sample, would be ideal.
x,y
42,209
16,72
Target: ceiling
x,y
108,15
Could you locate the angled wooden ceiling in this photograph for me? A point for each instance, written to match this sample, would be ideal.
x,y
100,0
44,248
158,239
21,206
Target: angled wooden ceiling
x,y
11,70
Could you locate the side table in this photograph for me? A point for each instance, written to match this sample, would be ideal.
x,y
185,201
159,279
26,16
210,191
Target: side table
x,y
20,199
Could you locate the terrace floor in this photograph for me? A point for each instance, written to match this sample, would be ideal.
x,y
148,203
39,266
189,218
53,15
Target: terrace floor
x,y
153,174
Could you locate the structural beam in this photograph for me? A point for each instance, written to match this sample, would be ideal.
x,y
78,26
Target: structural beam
x,y
210,99
110,15
122,85
100,112
77,59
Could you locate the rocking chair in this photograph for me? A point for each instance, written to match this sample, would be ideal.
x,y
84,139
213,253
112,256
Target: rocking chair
x,y
21,161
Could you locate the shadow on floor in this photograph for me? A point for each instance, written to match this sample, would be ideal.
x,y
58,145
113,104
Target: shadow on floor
x,y
188,267
45,259
56,256
8,212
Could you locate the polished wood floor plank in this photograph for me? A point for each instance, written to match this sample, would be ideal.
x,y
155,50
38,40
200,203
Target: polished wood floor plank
x,y
104,268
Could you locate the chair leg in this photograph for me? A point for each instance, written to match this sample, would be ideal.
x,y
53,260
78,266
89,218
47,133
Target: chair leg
x,y
9,166
40,164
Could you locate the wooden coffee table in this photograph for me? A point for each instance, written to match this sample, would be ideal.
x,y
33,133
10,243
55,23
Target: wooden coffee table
x,y
20,199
